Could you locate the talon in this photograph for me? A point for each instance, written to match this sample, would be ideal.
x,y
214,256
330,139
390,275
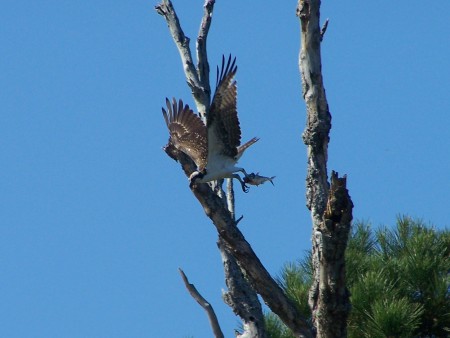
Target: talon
x,y
245,188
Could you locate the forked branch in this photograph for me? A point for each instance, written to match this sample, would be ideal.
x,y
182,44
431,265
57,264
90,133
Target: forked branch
x,y
202,53
200,89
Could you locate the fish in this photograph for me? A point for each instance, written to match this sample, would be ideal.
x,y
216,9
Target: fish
x,y
256,179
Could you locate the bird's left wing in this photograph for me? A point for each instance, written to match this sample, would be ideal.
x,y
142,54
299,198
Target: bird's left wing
x,y
224,132
187,131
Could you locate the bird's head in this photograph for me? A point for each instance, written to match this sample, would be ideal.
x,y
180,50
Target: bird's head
x,y
196,176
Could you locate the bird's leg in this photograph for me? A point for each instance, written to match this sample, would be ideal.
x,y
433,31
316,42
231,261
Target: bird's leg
x,y
242,170
243,185
196,177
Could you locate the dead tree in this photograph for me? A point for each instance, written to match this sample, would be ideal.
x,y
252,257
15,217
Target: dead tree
x,y
330,207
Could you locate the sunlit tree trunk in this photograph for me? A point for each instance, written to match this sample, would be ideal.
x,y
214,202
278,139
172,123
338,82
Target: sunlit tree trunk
x,y
330,204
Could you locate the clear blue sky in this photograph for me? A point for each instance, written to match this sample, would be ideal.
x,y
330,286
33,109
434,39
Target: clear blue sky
x,y
96,219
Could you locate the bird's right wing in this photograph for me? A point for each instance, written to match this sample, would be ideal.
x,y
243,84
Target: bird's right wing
x,y
187,131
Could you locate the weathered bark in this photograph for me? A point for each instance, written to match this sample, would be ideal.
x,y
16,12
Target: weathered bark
x,y
241,297
329,295
331,207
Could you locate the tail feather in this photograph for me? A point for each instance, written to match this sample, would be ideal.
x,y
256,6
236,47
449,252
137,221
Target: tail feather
x,y
243,147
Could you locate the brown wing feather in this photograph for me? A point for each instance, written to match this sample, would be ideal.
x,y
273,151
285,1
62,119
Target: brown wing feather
x,y
223,123
187,131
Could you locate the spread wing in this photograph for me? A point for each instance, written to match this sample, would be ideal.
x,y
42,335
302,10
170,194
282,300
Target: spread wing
x,y
187,131
224,132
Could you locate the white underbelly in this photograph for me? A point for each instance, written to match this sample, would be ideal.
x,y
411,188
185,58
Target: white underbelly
x,y
220,167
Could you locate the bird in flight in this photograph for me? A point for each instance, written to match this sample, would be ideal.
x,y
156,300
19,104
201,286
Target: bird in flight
x,y
215,147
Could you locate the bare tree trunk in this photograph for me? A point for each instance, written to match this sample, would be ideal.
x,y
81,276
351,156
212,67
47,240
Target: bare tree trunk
x,y
241,297
331,207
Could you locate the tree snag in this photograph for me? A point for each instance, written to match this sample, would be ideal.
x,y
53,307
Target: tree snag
x,y
331,207
230,237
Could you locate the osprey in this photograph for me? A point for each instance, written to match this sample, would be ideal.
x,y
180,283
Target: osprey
x,y
215,147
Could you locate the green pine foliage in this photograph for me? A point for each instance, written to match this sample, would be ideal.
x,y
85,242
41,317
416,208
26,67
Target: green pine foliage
x,y
275,327
396,317
399,281
296,280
